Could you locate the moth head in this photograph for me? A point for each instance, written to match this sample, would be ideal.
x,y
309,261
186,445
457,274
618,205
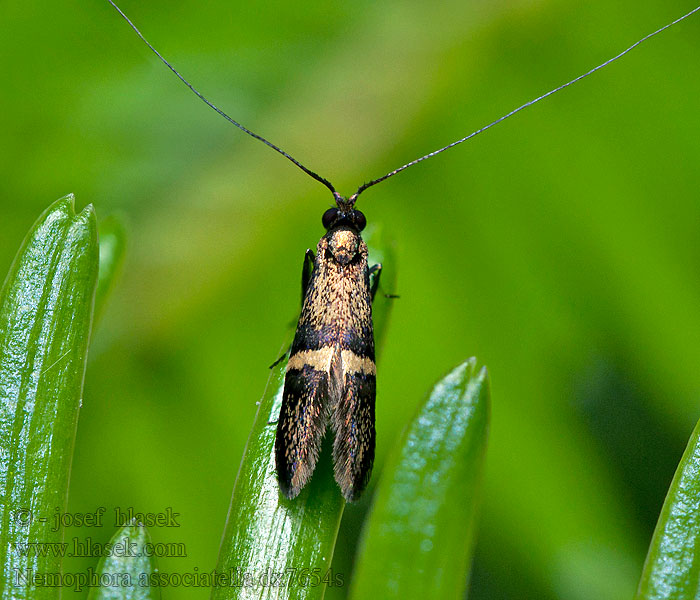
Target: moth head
x,y
344,216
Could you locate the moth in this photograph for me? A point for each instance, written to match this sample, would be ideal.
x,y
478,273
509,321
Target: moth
x,y
330,379
331,374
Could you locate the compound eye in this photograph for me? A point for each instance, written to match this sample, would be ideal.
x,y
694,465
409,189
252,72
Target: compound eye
x,y
360,220
328,217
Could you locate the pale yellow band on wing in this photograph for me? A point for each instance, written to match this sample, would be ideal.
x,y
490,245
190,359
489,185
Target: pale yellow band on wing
x,y
321,359
355,364
316,359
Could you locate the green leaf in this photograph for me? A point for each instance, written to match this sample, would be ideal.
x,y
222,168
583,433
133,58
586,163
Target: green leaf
x,y
418,538
112,243
46,307
672,567
125,572
267,534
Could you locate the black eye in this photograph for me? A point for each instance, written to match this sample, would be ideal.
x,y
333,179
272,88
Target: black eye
x,y
360,220
328,217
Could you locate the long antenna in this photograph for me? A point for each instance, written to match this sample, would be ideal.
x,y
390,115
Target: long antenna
x,y
317,177
364,186
351,200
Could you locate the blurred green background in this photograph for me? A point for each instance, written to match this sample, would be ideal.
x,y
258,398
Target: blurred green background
x,y
561,248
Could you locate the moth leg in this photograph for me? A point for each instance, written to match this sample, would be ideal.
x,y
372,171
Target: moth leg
x,y
306,270
300,428
374,272
278,361
353,425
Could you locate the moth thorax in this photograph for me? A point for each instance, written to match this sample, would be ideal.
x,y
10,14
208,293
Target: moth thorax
x,y
344,244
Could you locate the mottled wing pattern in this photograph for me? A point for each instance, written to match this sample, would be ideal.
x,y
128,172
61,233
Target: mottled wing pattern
x,y
305,399
301,426
352,416
353,425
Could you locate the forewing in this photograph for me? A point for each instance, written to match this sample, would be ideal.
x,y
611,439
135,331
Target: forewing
x,y
353,425
301,426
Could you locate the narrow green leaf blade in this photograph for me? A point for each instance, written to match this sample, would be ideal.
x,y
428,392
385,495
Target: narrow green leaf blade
x,y
267,537
278,548
418,538
46,307
127,571
112,244
672,567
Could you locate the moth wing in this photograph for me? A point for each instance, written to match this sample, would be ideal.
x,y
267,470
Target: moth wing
x,y
353,425
302,423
